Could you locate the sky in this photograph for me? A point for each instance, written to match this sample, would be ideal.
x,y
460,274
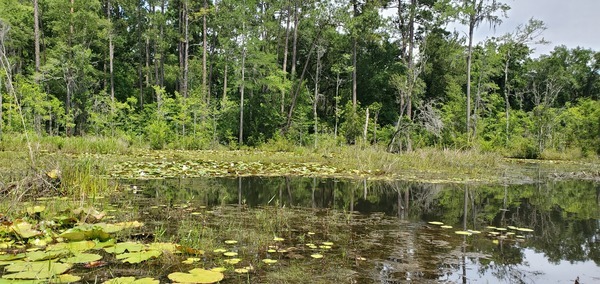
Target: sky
x,y
569,22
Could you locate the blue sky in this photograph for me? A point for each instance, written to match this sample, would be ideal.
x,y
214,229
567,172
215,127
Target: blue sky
x,y
570,22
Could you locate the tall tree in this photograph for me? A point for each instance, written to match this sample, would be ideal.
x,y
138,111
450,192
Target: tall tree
x,y
472,13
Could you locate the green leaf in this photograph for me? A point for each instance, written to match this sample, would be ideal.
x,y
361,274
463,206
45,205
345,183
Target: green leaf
x,y
126,246
131,280
24,230
197,276
137,257
36,270
82,258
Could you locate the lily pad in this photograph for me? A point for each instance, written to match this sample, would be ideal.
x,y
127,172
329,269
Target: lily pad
x,y
83,258
435,223
35,209
24,230
278,239
466,233
316,255
126,246
241,270
168,247
446,227
232,261
131,280
191,260
74,247
269,261
45,255
230,253
197,275
525,229
35,270
327,243
231,242
218,269
219,250
137,257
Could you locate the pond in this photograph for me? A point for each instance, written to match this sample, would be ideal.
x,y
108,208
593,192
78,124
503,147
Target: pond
x,y
384,232
312,230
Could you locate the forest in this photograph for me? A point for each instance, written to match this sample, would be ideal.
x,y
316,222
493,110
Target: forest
x,y
191,74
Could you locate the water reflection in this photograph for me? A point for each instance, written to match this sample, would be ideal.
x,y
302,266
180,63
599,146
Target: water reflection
x,y
386,221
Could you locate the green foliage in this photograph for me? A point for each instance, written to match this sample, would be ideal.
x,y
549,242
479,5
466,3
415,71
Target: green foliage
x,y
158,133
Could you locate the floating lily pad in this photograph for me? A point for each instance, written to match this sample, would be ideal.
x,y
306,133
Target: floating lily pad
x,y
191,260
463,233
446,227
219,250
271,251
316,255
325,247
82,258
197,276
24,230
45,255
131,280
474,232
231,242
218,269
501,229
241,270
230,253
74,247
278,239
165,247
35,270
137,257
525,229
232,261
269,261
126,246
327,243
311,233
35,209
435,223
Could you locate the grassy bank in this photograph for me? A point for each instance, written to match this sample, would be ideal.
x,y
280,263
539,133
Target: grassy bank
x,y
74,166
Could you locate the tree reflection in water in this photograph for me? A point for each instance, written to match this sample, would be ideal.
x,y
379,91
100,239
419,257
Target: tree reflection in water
x,y
387,223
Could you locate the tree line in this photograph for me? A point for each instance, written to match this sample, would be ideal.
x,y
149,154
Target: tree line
x,y
198,73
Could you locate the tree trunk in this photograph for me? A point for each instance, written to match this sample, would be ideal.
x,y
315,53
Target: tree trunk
x,y
354,45
205,46
316,95
295,38
366,126
141,58
36,33
506,100
225,82
469,53
111,56
285,54
241,137
184,84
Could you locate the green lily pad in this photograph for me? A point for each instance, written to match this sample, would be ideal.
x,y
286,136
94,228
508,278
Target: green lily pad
x,y
35,209
74,247
126,246
137,257
435,223
231,242
230,253
197,276
278,239
219,269
35,270
525,229
83,258
45,255
241,270
269,261
446,227
24,230
168,247
327,243
191,260
131,280
232,261
65,278
316,255
219,250
463,233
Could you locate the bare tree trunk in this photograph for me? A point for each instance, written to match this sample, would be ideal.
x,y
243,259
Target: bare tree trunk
x,y
469,53
338,82
295,38
111,56
241,137
184,85
141,58
354,46
316,94
285,54
205,46
366,126
36,32
506,101
225,82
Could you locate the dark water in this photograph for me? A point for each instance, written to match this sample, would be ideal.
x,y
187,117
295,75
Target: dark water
x,y
381,230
